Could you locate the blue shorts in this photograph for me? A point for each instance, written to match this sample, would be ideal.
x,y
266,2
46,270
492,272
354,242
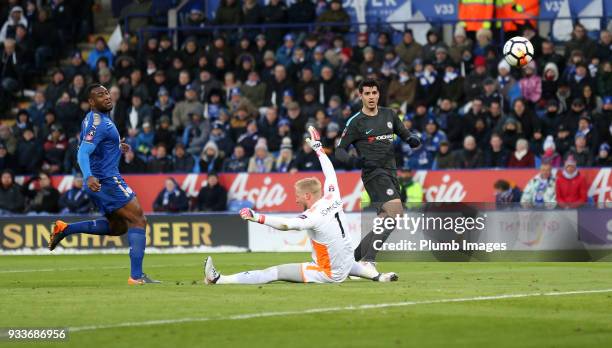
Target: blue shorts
x,y
114,194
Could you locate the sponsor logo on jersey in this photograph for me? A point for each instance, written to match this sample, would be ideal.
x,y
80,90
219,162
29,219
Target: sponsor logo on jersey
x,y
369,131
302,216
389,192
331,188
390,125
380,137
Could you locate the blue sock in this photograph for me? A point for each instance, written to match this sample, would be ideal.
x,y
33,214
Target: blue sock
x,y
99,227
137,240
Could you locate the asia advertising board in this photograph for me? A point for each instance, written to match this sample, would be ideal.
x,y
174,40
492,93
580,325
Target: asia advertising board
x,y
274,192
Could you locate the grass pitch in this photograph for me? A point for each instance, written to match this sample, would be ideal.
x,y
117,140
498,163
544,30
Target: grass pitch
x,y
88,293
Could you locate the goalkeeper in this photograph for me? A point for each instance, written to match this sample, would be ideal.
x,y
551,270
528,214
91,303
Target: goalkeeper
x,y
325,222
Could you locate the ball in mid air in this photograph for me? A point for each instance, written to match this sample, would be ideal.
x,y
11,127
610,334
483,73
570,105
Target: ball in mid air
x,y
518,51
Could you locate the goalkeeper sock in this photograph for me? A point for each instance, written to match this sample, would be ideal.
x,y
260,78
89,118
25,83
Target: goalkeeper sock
x,y
251,277
359,270
137,240
99,227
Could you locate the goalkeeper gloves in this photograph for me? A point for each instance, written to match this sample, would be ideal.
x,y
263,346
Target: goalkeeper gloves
x,y
315,140
251,215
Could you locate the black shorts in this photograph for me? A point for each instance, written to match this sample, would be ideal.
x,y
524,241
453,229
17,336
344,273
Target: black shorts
x,y
381,189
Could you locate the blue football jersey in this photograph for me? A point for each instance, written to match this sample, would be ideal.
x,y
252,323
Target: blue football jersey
x,y
98,129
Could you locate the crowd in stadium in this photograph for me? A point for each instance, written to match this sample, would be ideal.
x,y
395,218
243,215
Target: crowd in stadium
x,y
231,101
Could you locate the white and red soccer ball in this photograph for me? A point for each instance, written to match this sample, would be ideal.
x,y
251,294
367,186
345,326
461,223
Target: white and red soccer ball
x,y
518,51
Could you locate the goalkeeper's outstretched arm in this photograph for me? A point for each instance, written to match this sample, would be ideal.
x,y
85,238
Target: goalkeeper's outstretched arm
x,y
331,181
277,222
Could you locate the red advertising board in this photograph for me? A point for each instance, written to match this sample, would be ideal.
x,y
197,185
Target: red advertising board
x,y
274,192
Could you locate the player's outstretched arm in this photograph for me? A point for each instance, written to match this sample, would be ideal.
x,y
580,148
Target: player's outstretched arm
x,y
331,181
279,223
411,138
346,139
85,150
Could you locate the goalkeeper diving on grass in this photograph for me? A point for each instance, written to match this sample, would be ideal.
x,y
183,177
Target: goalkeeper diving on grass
x,y
324,220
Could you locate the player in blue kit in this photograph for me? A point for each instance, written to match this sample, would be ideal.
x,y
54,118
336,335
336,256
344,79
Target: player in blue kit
x,y
98,156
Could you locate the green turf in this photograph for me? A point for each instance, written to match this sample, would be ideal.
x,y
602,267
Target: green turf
x,y
91,290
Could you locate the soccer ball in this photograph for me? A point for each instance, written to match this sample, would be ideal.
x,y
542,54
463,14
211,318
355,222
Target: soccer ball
x,y
518,51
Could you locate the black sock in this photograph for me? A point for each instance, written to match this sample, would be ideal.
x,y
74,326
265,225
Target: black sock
x,y
370,251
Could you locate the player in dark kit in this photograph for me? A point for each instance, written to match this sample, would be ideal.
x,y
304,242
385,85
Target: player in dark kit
x,y
371,131
98,156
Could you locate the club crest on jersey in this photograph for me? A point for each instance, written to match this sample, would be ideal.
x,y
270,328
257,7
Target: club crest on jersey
x,y
390,125
331,188
389,192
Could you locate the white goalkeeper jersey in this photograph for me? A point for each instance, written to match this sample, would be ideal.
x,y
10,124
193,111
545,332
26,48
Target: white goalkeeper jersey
x,y
327,227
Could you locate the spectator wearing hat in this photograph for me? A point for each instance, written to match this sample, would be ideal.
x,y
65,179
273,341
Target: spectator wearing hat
x,y
522,157
283,163
210,158
550,155
580,152
77,66
29,153
603,156
444,158
441,60
334,14
496,156
164,105
212,196
238,162
475,80
262,161
131,164
76,200
370,64
171,198
163,133
15,18
460,43
181,113
145,139
42,198
431,138
182,162
22,121
505,82
550,118
254,90
411,192
470,156
249,138
571,187
54,149
284,53
12,200
220,137
305,160
275,13
196,134
550,81
160,162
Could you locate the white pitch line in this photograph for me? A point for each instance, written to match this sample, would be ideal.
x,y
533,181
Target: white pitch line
x,y
86,268
329,309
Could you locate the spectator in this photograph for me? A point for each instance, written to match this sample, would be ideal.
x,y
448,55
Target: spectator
x,y
505,194
252,12
254,90
171,199
182,162
131,164
402,88
470,157
224,142
452,84
163,134
228,13
182,110
100,50
29,154
42,199
54,150
210,161
496,155
475,80
531,84
530,123
15,18
77,67
505,82
335,14
580,41
275,13
433,43
571,187
76,200
145,139
238,162
196,134
549,155
213,196
248,140
444,158
306,160
161,162
12,200
262,161
550,81
7,160
522,157
460,43
541,189
603,156
10,67
580,152
285,158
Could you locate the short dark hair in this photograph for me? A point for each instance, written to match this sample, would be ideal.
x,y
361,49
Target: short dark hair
x,y
502,185
368,83
91,87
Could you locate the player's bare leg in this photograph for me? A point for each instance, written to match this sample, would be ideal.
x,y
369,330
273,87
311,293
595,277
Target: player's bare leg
x,y
130,218
288,272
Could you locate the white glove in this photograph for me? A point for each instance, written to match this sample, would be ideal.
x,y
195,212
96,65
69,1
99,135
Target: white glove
x,y
315,139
